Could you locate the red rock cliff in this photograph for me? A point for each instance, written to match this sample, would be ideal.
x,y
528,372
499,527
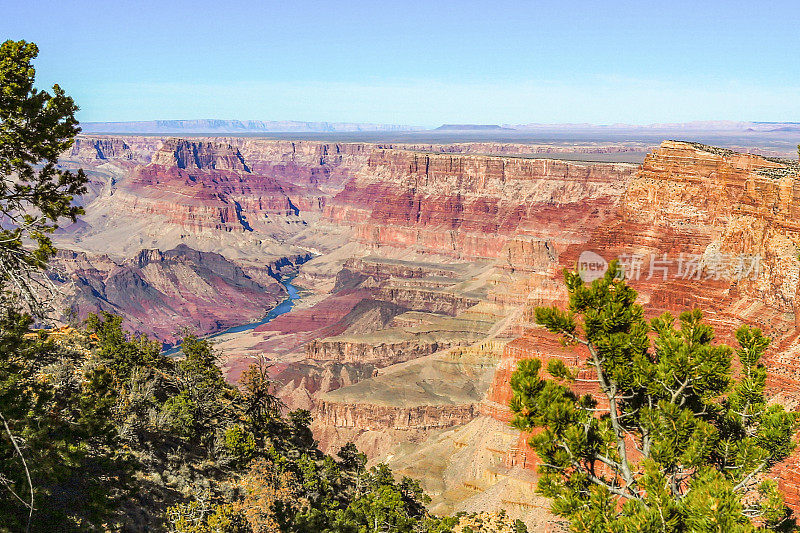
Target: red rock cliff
x,y
706,202
469,206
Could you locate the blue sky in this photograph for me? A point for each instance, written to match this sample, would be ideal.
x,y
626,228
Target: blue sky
x,y
422,63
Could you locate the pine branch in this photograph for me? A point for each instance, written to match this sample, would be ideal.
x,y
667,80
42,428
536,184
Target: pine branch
x,y
30,505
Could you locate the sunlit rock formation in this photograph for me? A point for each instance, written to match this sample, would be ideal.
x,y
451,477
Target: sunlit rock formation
x,y
421,267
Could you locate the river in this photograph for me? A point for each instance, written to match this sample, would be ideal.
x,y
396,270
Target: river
x,y
284,307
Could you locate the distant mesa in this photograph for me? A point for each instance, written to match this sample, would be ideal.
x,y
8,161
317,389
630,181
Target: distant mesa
x,y
215,126
791,128
471,127
718,127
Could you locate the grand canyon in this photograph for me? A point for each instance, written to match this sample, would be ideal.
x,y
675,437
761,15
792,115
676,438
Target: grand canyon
x,y
399,267
418,266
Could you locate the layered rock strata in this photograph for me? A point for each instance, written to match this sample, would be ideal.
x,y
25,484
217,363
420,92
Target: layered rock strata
x,y
730,221
470,206
407,400
162,293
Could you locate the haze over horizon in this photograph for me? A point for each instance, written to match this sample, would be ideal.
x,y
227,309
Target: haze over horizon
x,y
419,63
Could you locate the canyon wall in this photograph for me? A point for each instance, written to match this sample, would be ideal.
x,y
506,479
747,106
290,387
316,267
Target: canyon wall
x,y
369,417
428,261
469,206
97,150
716,208
732,217
385,194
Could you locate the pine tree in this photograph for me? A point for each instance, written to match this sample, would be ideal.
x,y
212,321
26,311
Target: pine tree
x,y
36,127
674,439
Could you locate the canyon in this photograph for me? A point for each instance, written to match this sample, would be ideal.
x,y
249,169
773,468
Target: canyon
x,y
420,265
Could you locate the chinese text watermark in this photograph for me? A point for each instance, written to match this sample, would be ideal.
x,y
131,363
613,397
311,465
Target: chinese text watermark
x,y
708,266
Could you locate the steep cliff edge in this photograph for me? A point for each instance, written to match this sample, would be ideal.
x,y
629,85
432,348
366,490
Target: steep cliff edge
x,y
406,401
734,216
469,206
199,155
93,151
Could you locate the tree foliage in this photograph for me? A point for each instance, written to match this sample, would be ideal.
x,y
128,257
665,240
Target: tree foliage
x,y
36,127
59,445
118,436
674,439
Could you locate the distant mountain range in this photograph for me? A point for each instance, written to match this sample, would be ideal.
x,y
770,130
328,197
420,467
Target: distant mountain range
x,y
214,126
238,126
473,127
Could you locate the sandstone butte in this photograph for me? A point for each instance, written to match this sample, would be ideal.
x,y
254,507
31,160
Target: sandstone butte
x,y
420,267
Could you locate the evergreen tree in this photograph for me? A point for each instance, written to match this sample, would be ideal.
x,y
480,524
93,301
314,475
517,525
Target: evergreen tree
x,y
61,460
674,439
49,432
35,128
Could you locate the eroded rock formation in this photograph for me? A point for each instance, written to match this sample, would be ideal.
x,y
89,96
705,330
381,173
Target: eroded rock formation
x,y
164,293
422,253
470,206
721,209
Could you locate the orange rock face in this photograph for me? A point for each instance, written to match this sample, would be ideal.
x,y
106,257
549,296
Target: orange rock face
x,y
690,200
535,344
540,345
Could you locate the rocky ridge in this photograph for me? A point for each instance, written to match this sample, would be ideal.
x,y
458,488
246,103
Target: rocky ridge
x,y
691,200
162,293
